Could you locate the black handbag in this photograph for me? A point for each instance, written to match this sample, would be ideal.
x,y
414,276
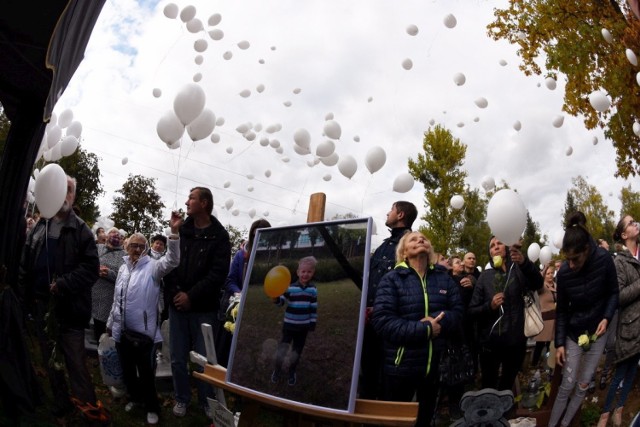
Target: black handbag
x,y
137,339
456,365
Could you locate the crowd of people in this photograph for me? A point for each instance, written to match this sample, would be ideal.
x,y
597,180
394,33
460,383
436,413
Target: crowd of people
x,y
419,304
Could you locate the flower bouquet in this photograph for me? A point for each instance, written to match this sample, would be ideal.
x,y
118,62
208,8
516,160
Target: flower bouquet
x,y
232,313
585,340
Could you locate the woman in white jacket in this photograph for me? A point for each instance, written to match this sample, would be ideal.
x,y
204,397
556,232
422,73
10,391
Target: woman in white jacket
x,y
133,320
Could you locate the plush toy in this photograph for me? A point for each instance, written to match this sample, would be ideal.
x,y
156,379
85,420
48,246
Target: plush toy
x,y
485,407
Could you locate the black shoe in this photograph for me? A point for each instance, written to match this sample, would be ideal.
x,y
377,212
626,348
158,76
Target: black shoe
x,y
592,387
603,382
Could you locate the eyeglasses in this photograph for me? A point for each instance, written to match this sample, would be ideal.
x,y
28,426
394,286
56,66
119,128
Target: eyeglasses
x,y
137,246
632,222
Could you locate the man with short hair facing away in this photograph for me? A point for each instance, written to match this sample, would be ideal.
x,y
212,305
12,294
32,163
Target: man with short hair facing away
x,y
469,262
399,219
58,268
192,292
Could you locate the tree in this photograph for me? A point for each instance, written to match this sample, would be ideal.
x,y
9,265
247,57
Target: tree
x,y
439,169
236,237
630,202
475,232
138,208
566,35
531,234
569,208
83,166
589,201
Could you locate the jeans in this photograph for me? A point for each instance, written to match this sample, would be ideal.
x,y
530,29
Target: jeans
x,y
185,335
402,389
509,357
295,339
579,366
139,373
625,370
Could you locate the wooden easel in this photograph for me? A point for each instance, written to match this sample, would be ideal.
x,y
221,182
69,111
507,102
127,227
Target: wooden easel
x,y
366,411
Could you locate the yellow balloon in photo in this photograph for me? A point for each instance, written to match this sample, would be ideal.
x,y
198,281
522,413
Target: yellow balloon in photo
x,y
277,281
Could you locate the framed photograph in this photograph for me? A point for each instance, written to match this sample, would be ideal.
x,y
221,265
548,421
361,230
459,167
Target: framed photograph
x,y
299,328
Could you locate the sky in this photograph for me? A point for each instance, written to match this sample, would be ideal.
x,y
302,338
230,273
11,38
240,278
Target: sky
x,y
314,59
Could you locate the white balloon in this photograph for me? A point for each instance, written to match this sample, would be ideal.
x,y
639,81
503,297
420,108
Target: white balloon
x,y
450,21
194,25
347,166
215,19
157,93
403,183
189,103
216,34
631,56
558,237
432,122
476,119
124,161
227,184
75,129
332,129
558,121
517,125
599,100
286,159
171,11
260,61
252,213
199,59
50,190
244,45
32,184
301,150
375,159
297,91
330,160
197,77
356,138
502,62
257,127
325,148
507,216
457,202
65,119
407,64
594,140
250,176
174,145
488,183
412,29
227,55
200,45
460,124
327,177
287,103
533,252
264,141
638,78
279,150
228,203
267,173
53,136
229,150
250,189
260,88
169,128
550,83
481,102
302,138
545,255
636,128
220,121
274,143
68,145
202,126
265,213
328,116
188,13
245,93
215,138
235,212
606,35
459,79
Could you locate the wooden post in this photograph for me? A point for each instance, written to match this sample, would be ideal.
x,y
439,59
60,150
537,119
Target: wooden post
x,y
317,203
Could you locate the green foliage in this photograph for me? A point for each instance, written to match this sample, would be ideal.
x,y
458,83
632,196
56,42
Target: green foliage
x,y
138,208
630,202
569,208
236,237
531,234
439,169
83,166
474,230
564,37
589,201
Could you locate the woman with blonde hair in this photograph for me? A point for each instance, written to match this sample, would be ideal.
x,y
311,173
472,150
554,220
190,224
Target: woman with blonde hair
x,y
416,306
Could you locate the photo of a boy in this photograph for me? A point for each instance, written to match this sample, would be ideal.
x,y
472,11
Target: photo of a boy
x,y
300,317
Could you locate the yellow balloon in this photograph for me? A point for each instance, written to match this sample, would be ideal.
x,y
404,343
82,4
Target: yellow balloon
x,y
277,281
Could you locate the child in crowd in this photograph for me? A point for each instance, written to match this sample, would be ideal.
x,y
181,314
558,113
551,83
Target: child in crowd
x,y
299,317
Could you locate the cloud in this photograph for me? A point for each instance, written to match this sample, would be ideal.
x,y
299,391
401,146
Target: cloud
x,y
340,54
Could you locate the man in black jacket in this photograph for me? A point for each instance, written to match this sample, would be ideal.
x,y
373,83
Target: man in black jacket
x,y
399,219
192,292
58,268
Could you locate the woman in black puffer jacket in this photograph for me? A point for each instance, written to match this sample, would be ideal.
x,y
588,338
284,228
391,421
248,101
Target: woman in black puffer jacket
x,y
497,305
416,305
587,299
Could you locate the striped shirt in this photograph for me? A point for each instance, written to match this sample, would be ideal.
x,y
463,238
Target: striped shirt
x,y
302,307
